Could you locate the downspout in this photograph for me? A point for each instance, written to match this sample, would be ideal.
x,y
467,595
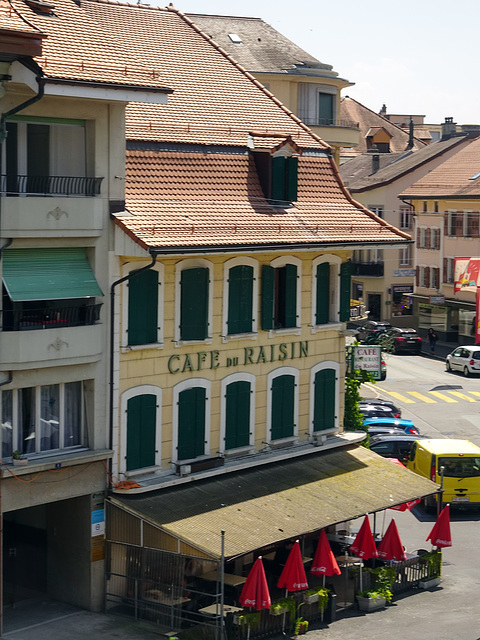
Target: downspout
x,y
113,286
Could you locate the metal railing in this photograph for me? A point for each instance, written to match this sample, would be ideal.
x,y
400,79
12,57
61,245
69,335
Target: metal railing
x,y
48,318
367,269
330,122
15,185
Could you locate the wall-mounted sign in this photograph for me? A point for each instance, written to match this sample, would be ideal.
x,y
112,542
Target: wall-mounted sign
x,y
436,299
368,359
400,273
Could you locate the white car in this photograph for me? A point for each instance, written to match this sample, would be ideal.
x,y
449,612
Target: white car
x,y
465,359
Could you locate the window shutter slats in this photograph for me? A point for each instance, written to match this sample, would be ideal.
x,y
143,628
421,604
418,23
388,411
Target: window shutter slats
x,y
345,277
283,403
141,431
240,299
237,415
278,178
194,304
324,400
268,290
290,295
143,308
323,293
292,178
191,423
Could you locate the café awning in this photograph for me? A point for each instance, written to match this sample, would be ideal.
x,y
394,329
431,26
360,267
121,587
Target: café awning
x,y
48,274
267,504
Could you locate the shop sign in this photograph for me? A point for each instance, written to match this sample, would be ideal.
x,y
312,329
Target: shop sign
x,y
436,299
368,359
400,273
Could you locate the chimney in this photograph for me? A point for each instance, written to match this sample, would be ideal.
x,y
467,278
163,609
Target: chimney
x,y
383,111
410,134
449,128
375,163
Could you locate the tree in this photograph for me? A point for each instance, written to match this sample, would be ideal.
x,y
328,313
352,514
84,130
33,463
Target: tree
x,y
354,378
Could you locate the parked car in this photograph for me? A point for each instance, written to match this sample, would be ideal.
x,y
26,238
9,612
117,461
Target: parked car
x,y
394,445
376,411
398,340
465,359
371,330
377,426
384,403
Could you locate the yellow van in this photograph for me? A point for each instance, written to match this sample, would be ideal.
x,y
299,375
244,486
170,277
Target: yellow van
x,y
460,460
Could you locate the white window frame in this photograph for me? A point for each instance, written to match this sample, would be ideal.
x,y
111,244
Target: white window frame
x,y
235,262
282,371
327,364
126,269
141,390
236,377
191,383
450,270
406,217
406,256
334,302
377,209
278,263
191,264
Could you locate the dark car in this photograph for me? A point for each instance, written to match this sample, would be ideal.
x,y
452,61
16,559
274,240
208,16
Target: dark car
x,y
382,403
376,411
371,330
394,445
377,426
398,340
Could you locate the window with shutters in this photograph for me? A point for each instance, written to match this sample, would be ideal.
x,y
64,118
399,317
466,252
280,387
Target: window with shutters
x,y
278,176
449,270
191,422
324,396
435,277
422,237
325,290
240,300
435,238
141,410
143,311
237,412
282,404
280,294
193,300
472,230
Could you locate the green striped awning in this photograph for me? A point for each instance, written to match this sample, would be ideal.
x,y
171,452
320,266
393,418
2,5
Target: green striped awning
x,y
48,274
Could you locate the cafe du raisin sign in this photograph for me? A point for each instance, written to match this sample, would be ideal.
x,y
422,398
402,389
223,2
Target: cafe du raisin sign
x,y
189,362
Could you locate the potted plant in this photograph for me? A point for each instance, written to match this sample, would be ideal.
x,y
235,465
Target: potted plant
x,y
320,595
283,605
433,560
249,619
371,600
380,594
18,459
301,626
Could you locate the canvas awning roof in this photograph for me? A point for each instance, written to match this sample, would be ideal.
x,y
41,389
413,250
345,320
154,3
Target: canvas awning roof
x,y
48,274
267,504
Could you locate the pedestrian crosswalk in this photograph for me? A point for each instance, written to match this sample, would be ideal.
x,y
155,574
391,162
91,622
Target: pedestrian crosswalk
x,y
429,397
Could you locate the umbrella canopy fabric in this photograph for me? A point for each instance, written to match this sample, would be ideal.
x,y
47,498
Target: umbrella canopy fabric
x,y
364,545
293,576
255,591
406,505
324,562
391,548
440,535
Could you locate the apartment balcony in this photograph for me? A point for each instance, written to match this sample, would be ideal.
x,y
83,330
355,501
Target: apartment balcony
x,y
344,133
374,269
47,337
49,205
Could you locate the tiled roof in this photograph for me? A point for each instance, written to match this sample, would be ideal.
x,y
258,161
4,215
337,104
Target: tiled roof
x,y
262,48
212,102
454,178
352,110
206,199
80,49
357,172
10,19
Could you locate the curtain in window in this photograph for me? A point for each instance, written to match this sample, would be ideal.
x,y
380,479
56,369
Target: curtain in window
x,y
26,420
49,417
7,424
73,414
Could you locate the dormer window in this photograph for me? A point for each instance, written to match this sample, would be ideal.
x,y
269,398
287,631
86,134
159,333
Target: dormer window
x,y
277,167
378,139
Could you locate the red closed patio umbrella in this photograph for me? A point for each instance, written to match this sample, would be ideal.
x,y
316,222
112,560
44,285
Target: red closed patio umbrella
x,y
364,545
440,535
324,562
391,548
293,576
255,591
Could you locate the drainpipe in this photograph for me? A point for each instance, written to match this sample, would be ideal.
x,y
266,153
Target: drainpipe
x,y
112,354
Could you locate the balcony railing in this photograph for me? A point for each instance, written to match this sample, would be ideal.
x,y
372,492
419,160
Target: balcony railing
x,y
44,318
15,185
367,269
330,122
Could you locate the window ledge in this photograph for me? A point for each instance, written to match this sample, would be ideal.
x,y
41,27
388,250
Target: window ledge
x,y
58,460
144,471
252,335
231,453
282,442
331,326
294,331
181,343
140,347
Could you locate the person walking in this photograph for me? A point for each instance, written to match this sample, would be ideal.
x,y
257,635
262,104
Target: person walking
x,y
432,339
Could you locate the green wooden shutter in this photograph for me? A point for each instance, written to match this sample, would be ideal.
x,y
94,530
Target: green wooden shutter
x,y
141,431
324,400
279,165
237,415
290,296
283,407
325,108
268,292
191,423
323,293
292,178
143,308
345,286
240,299
194,304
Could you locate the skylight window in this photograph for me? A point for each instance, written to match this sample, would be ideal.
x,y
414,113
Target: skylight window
x,y
235,38
477,175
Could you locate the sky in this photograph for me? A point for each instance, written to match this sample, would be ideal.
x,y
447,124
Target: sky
x,y
417,57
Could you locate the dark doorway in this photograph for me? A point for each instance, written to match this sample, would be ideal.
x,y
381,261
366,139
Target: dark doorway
x,y
375,306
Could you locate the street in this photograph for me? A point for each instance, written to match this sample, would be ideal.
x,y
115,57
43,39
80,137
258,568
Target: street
x,y
442,405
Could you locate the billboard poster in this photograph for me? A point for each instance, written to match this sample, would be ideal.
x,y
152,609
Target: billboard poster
x,y
466,274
